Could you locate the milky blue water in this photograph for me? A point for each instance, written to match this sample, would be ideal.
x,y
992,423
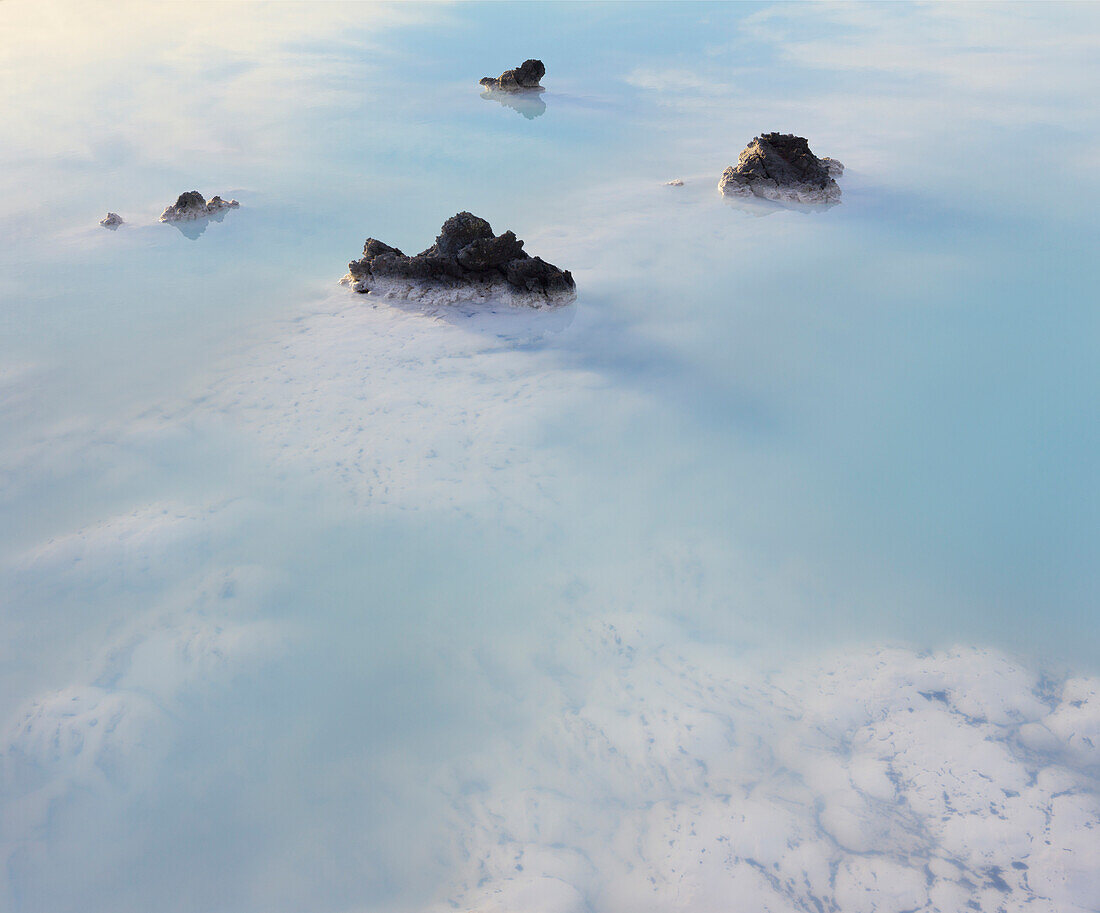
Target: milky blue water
x,y
304,594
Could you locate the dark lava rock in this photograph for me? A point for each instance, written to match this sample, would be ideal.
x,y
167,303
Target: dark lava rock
x,y
491,253
526,76
780,166
466,263
217,204
192,205
457,232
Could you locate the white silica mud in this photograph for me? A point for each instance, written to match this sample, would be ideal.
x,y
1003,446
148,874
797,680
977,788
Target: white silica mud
x,y
380,399
760,573
663,774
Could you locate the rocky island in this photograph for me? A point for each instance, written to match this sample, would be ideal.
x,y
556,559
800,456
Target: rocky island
x,y
466,263
525,77
192,205
111,220
780,166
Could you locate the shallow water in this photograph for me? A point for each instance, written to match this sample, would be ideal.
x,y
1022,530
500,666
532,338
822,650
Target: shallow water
x,y
315,602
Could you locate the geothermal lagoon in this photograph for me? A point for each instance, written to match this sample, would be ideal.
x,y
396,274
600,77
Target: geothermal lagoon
x,y
761,574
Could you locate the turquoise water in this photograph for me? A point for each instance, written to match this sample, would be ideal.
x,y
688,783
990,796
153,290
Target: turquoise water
x,y
303,595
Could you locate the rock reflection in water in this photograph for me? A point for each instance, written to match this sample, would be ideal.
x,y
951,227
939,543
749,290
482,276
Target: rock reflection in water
x,y
529,102
195,227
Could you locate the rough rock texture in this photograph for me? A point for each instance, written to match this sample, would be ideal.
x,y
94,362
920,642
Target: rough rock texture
x,y
525,76
466,263
111,220
192,205
675,182
217,204
780,166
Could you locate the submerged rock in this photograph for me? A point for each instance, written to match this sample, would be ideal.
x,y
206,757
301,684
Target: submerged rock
x,y
526,76
192,205
466,263
675,182
780,166
111,220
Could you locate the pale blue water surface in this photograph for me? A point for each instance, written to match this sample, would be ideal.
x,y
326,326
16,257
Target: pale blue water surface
x,y
785,530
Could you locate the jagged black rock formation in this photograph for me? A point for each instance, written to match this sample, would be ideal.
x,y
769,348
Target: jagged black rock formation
x,y
192,205
466,263
111,220
780,166
526,76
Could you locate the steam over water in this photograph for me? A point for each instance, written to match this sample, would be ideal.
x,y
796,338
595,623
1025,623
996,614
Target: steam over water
x,y
763,575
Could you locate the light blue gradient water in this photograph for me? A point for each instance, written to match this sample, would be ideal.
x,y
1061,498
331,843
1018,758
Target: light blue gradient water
x,y
871,424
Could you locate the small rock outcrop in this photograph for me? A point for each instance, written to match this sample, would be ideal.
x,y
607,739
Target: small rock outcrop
x,y
111,220
526,76
675,182
780,166
466,263
192,205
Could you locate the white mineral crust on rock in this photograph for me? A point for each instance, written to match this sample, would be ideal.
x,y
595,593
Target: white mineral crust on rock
x,y
467,263
781,167
433,294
